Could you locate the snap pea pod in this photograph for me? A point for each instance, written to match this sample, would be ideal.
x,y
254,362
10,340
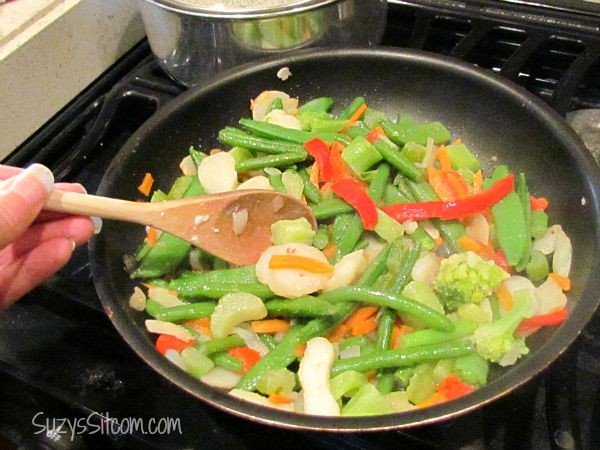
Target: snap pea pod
x,y
153,308
402,358
462,328
217,283
392,155
451,230
330,208
511,228
220,344
238,138
307,306
402,133
275,180
169,251
379,182
226,361
397,302
196,155
268,340
261,162
351,108
319,104
311,192
392,195
347,229
272,131
185,312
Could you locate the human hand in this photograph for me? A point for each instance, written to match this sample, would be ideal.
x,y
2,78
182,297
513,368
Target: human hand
x,y
34,244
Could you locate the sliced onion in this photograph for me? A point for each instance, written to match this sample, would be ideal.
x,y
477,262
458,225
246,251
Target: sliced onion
x,y
175,358
426,268
563,253
479,228
547,242
294,185
283,119
221,378
261,103
272,171
430,229
350,352
550,296
253,397
164,297
195,260
137,300
251,340
516,283
257,182
410,226
162,327
429,157
187,166
374,247
347,270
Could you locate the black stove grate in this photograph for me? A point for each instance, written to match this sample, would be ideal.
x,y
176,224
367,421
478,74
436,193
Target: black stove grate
x,y
66,358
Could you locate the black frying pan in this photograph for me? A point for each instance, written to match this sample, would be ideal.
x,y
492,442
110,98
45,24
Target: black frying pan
x,y
492,116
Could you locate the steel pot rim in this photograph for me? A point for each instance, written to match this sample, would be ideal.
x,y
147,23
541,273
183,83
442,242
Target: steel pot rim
x,y
179,7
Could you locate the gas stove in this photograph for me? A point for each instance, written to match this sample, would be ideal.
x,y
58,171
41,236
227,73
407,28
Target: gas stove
x,y
61,358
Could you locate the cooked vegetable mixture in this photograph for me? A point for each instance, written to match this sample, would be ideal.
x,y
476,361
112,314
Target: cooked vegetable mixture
x,y
421,273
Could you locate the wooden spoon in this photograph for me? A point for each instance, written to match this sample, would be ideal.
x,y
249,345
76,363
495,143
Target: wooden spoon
x,y
207,222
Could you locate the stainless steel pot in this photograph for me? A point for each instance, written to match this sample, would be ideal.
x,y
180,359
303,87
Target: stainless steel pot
x,y
193,43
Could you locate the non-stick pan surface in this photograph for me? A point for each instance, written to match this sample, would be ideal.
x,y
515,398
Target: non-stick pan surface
x,y
498,120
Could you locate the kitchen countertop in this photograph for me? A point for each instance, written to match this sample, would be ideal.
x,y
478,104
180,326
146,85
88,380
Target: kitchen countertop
x,y
50,51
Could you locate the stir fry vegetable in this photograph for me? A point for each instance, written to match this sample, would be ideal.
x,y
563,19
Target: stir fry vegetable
x,y
423,270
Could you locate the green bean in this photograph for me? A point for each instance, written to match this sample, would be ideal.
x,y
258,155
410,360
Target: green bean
x,y
451,230
217,283
310,190
196,155
379,182
392,155
462,328
268,340
385,382
220,344
298,307
321,239
376,268
228,362
347,229
385,326
393,195
186,312
261,162
153,308
276,182
238,138
397,302
320,104
523,193
404,275
272,131
330,208
352,107
401,358
358,129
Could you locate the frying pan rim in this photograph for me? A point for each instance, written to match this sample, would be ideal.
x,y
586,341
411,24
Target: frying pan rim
x,y
525,370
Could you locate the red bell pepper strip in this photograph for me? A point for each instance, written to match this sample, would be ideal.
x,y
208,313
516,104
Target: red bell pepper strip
x,y
167,342
453,387
553,318
353,192
245,354
319,150
455,209
339,171
501,261
538,203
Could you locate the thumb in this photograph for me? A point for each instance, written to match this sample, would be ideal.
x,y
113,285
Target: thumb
x,y
21,199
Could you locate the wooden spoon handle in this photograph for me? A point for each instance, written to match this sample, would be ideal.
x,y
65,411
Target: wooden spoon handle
x,y
94,205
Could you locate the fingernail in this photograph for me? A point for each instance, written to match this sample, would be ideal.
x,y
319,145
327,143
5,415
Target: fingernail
x,y
97,224
43,174
83,189
73,244
31,192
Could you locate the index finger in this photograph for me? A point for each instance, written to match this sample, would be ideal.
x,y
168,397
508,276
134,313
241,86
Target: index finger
x,y
8,171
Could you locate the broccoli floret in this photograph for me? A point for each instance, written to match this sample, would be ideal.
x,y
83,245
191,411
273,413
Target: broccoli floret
x,y
495,341
466,278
